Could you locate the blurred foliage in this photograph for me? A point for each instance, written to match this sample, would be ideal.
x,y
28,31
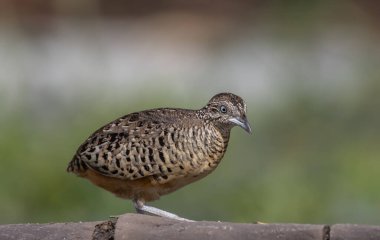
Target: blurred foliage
x,y
308,161
314,154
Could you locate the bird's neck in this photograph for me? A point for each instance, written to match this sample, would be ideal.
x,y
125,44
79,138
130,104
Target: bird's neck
x,y
223,129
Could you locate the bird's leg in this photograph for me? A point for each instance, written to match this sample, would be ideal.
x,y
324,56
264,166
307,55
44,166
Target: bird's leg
x,y
148,210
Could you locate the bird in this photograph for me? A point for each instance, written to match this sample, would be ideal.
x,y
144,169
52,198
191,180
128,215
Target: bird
x,y
144,155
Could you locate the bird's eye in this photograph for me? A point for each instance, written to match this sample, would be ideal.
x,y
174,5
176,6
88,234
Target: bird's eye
x,y
223,109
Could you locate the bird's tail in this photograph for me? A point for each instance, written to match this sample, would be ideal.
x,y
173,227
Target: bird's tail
x,y
76,165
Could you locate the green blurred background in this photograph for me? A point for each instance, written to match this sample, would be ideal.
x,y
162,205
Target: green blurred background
x,y
309,71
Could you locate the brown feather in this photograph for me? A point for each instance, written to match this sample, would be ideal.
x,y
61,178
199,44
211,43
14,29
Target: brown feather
x,y
147,154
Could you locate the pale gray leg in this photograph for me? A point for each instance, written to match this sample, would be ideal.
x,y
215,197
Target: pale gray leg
x,y
148,210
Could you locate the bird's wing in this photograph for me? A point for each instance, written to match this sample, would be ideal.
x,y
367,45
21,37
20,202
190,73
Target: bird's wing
x,y
134,146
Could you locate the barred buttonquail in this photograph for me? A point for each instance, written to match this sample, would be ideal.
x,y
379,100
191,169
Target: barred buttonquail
x,y
144,155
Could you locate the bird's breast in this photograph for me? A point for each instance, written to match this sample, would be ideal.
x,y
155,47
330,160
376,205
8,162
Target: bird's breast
x,y
201,151
202,147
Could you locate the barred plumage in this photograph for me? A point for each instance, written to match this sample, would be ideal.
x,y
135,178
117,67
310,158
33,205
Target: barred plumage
x,y
146,154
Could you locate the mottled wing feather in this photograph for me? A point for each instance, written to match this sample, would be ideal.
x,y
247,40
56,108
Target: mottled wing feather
x,y
134,146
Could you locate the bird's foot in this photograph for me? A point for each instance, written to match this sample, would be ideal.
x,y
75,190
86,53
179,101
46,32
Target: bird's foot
x,y
258,222
148,210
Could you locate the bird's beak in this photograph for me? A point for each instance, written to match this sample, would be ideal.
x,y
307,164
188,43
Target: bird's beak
x,y
243,123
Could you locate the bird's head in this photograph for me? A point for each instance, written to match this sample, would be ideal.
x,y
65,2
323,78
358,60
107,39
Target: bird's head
x,y
228,110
